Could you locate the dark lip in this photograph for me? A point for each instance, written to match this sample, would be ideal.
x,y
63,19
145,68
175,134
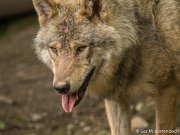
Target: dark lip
x,y
83,87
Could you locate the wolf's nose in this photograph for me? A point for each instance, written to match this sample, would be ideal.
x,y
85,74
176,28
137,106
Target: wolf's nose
x,y
62,87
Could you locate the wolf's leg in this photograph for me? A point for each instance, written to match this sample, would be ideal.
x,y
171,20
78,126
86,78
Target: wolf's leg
x,y
118,113
166,107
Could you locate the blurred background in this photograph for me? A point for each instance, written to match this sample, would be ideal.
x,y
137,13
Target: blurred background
x,y
28,103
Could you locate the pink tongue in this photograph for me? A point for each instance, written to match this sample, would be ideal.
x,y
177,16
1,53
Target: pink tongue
x,y
68,102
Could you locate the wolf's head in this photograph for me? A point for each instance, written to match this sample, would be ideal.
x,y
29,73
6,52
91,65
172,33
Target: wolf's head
x,y
82,41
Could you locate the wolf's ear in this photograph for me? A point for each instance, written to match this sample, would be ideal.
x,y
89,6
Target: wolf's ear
x,y
44,9
92,8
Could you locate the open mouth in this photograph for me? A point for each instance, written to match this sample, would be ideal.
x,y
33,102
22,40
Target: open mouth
x,y
72,100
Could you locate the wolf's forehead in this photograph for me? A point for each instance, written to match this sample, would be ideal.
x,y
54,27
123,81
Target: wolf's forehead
x,y
67,29
70,25
67,22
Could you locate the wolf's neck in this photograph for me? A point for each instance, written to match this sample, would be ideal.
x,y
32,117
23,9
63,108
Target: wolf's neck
x,y
144,11
128,66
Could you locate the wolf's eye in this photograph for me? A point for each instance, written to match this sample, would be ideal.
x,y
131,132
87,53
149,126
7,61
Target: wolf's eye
x,y
53,49
81,49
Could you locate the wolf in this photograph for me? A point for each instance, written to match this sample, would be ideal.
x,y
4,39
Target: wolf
x,y
113,49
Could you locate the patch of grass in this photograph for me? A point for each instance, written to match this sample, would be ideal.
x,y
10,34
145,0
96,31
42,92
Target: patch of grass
x,y
2,125
20,120
102,132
